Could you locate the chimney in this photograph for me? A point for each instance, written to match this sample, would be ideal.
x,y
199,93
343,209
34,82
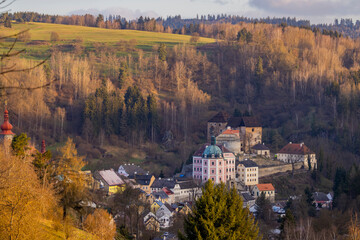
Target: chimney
x,y
43,147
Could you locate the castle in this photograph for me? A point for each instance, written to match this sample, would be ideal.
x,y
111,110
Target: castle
x,y
238,134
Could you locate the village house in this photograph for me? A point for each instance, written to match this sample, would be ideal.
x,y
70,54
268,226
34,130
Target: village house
x,y
267,189
186,191
130,170
297,152
161,183
261,150
248,200
144,182
248,172
164,215
213,162
322,200
155,206
109,181
151,222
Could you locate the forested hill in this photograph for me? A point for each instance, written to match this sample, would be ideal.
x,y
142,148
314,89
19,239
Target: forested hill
x,y
178,25
126,102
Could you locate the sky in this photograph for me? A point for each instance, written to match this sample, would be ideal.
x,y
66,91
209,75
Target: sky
x,y
317,11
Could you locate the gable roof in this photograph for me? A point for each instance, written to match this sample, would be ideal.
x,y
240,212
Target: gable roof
x,y
248,163
265,187
143,179
234,122
187,185
320,197
296,148
161,183
160,194
220,117
250,122
132,169
247,197
260,146
111,178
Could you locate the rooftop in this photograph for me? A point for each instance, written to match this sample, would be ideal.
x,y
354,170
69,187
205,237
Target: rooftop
x,y
265,187
111,178
250,122
200,151
132,169
187,185
234,122
230,131
161,183
260,146
320,197
248,163
220,117
247,197
143,179
296,148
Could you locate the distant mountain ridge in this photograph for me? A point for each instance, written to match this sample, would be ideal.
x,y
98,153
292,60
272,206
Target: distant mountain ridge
x,y
123,12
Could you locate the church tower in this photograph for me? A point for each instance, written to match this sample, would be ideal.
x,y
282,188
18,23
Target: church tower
x,y
6,134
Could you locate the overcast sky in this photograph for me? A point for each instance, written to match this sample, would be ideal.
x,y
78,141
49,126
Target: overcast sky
x,y
318,11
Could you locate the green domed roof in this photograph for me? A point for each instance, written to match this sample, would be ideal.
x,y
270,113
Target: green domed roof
x,y
212,151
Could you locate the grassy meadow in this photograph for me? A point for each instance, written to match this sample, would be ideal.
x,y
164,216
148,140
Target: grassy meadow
x,y
40,32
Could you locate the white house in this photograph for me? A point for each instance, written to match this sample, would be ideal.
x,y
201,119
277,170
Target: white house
x,y
248,172
297,152
164,215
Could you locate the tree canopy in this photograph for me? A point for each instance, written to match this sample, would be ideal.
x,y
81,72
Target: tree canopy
x,y
219,214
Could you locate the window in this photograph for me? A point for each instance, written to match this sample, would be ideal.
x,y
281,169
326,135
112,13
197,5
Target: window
x,y
212,171
252,130
213,163
219,171
205,170
220,179
212,179
219,163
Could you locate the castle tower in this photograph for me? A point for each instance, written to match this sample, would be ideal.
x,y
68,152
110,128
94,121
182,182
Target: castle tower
x,y
6,134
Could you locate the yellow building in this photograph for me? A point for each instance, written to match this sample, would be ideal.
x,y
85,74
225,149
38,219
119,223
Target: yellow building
x,y
248,172
110,181
144,182
267,189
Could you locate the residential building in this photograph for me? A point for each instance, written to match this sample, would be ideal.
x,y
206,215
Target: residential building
x,y
213,162
248,200
130,170
155,206
186,191
109,181
164,215
248,172
297,152
161,183
145,182
151,222
217,124
231,140
161,196
261,150
267,189
322,200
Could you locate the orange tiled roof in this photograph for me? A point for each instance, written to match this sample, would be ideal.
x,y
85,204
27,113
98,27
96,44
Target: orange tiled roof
x,y
230,131
296,148
265,187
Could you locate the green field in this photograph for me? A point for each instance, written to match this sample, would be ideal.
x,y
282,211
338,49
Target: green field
x,y
42,31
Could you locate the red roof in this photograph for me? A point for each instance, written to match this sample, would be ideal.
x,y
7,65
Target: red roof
x,y
265,187
230,131
296,148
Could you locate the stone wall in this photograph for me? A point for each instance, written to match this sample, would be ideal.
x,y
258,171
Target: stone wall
x,y
269,170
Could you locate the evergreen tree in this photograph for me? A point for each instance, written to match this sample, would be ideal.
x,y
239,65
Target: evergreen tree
x,y
152,117
263,209
20,144
259,71
162,52
219,214
123,74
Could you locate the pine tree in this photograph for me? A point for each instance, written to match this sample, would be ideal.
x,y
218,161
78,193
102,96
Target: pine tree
x,y
219,214
123,74
162,52
20,144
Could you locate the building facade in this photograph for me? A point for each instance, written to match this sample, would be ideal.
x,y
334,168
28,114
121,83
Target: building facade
x,y
213,162
217,124
248,172
297,152
231,140
267,189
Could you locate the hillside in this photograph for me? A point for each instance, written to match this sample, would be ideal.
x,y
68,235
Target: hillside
x,y
144,40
